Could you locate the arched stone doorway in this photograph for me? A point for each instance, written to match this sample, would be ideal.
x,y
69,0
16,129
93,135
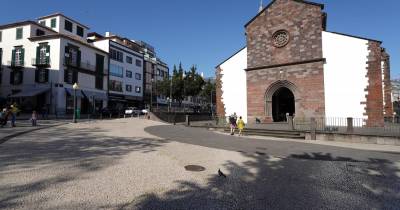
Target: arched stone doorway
x,y
281,97
282,103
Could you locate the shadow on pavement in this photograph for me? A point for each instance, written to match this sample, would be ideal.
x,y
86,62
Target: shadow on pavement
x,y
274,183
81,150
302,180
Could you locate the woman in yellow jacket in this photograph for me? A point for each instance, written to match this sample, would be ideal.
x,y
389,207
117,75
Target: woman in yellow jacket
x,y
240,125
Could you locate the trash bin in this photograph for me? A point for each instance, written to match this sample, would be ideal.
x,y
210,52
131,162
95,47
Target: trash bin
x,y
78,113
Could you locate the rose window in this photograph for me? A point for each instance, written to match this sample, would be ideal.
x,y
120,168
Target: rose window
x,y
280,38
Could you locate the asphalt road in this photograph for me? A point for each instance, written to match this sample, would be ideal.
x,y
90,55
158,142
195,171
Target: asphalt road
x,y
251,146
304,176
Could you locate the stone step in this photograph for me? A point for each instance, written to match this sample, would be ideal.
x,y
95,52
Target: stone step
x,y
271,133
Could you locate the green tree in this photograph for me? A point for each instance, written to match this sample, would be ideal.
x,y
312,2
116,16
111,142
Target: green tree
x,y
193,82
181,83
208,91
173,85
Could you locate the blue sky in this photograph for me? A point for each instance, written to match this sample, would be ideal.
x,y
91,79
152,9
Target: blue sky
x,y
206,32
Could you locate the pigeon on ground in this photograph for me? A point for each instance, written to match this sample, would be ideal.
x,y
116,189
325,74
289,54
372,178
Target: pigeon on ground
x,y
221,174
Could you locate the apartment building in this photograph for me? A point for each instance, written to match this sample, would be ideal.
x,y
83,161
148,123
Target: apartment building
x,y
42,59
126,69
154,69
161,74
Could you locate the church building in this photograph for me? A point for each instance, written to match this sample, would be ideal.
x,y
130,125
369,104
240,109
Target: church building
x,y
293,65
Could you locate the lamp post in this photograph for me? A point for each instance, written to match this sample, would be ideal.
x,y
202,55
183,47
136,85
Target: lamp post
x,y
184,91
151,95
170,93
211,104
75,87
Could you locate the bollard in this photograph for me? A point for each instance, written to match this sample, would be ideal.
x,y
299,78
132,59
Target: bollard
x,y
187,120
350,127
290,122
313,129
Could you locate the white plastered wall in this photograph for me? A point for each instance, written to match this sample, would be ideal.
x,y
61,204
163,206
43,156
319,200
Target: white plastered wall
x,y
234,88
105,45
345,75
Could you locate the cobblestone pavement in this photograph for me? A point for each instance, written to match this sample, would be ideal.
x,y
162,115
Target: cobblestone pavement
x,y
25,126
139,164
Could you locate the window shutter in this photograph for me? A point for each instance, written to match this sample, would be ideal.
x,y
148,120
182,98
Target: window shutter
x,y
21,77
66,59
78,58
38,55
66,75
13,57
37,74
22,56
47,54
12,77
46,75
75,77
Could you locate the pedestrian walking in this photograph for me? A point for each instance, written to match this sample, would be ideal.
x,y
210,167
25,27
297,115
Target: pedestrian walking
x,y
232,122
3,117
240,125
14,111
34,118
44,112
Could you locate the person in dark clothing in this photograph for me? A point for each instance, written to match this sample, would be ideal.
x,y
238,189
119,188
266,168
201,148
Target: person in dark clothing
x,y
232,122
44,112
4,115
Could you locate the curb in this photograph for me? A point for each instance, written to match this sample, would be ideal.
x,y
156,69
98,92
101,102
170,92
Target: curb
x,y
6,138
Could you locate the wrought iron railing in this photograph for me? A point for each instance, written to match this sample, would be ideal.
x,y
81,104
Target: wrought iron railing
x,y
16,63
82,65
42,61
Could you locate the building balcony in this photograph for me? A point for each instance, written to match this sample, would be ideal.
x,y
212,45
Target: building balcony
x,y
85,66
41,62
16,63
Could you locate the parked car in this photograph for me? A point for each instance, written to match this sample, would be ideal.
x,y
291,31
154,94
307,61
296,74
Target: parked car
x,y
144,111
107,112
132,111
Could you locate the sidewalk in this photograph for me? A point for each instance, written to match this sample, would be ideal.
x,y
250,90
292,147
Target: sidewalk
x,y
25,126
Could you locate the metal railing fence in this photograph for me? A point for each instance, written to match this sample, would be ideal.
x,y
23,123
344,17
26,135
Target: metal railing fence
x,y
346,125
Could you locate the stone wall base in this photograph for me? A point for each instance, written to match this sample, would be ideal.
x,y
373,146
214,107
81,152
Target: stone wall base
x,y
353,138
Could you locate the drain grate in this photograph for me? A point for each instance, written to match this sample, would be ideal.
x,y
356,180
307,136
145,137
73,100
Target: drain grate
x,y
194,168
260,153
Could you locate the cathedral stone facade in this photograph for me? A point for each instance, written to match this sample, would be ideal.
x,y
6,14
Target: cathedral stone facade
x,y
293,65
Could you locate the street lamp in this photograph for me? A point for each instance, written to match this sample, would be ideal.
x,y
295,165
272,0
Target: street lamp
x,y
211,105
151,95
169,104
75,87
184,91
170,93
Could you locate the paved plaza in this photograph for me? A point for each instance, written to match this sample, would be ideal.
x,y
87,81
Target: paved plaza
x,y
140,164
